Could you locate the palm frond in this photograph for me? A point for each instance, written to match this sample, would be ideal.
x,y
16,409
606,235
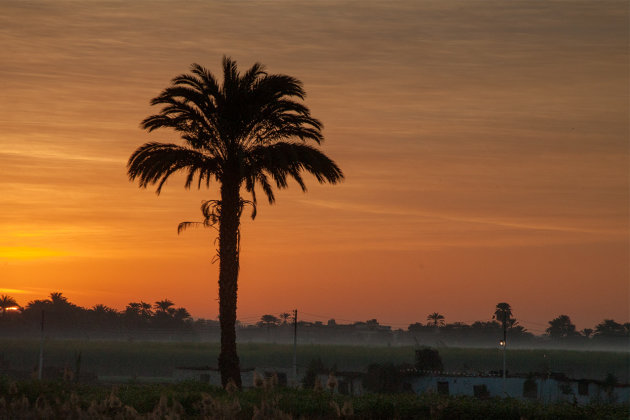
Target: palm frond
x,y
283,159
154,163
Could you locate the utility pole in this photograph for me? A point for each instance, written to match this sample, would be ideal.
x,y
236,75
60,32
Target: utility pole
x,y
504,345
41,350
295,381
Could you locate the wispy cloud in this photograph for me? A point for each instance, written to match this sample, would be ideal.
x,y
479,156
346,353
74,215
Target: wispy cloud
x,y
491,221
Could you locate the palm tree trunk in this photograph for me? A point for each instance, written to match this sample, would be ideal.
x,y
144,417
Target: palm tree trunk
x,y
229,221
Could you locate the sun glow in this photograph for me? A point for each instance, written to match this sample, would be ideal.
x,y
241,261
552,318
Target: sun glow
x,y
29,253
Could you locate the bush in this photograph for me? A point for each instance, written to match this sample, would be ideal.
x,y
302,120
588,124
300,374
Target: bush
x,y
428,358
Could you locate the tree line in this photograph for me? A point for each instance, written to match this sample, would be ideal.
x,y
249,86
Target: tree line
x,y
153,320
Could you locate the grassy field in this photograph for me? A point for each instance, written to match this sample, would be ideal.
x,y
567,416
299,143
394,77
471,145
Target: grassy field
x,y
33,399
157,359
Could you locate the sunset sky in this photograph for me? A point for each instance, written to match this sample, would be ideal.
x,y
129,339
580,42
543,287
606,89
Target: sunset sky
x,y
484,143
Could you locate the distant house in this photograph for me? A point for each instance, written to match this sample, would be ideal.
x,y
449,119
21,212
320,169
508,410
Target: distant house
x,y
547,388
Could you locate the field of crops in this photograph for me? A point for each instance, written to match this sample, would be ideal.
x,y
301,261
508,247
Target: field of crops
x,y
33,399
158,359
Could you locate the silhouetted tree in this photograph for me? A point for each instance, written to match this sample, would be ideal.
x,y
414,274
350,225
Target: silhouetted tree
x,y
103,316
57,298
268,321
247,131
181,314
561,327
372,323
587,332
163,305
608,328
7,302
428,358
145,310
436,318
503,314
285,317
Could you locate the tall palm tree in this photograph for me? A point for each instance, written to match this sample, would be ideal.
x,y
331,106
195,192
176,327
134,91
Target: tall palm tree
x,y
249,130
436,318
503,314
7,302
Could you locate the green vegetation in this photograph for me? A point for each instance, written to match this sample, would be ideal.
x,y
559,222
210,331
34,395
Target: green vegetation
x,y
157,359
33,399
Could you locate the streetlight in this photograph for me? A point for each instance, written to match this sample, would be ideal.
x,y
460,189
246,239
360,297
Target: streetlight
x,y
503,344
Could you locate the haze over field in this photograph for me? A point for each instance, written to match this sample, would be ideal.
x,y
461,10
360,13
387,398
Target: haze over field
x,y
484,143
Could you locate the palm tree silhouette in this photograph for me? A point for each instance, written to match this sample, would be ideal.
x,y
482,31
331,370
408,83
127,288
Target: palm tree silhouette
x,y
503,314
163,305
6,302
285,316
57,298
250,130
436,318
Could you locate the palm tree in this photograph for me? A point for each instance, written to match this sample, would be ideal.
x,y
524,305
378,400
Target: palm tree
x,y
436,318
561,327
503,314
285,316
57,298
181,314
7,302
250,130
163,305
145,310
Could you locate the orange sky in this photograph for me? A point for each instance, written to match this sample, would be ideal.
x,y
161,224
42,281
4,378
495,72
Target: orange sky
x,y
485,146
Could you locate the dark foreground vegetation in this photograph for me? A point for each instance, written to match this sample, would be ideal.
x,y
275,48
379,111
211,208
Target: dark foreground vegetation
x,y
35,400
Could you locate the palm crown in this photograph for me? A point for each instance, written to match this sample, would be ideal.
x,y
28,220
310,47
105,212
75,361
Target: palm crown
x,y
242,132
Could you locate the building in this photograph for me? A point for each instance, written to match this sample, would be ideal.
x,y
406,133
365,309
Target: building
x,y
546,388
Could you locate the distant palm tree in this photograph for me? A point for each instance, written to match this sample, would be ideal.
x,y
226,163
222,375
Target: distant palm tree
x,y
181,314
285,316
250,130
101,309
163,305
503,314
268,320
57,298
436,318
561,327
133,309
7,302
145,310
